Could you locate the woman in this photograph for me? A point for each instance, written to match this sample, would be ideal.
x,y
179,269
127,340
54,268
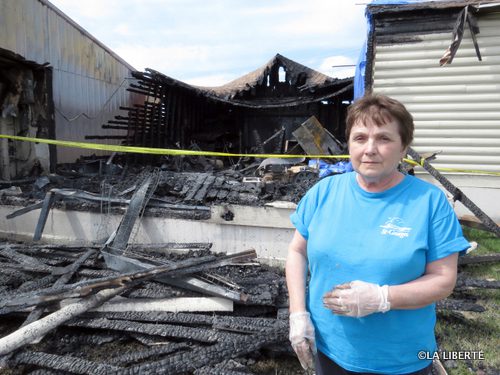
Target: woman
x,y
381,247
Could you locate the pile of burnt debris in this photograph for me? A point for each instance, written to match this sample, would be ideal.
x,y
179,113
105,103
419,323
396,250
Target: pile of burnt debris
x,y
165,308
189,187
185,186
89,310
182,180
149,309
116,307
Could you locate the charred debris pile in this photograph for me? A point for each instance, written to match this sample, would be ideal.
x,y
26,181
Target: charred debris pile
x,y
149,309
89,310
118,308
184,185
172,308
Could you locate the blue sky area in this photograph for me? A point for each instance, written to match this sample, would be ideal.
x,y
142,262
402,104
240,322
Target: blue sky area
x,y
212,42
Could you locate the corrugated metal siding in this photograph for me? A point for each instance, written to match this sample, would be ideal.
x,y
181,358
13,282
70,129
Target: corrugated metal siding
x,y
87,78
456,107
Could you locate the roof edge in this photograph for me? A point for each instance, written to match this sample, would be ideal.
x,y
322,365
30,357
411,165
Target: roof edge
x,y
51,6
438,4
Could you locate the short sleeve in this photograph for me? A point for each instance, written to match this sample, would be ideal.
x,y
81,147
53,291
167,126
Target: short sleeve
x,y
306,208
445,233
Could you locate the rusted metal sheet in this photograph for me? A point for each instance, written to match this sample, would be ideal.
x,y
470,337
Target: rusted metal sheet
x,y
316,140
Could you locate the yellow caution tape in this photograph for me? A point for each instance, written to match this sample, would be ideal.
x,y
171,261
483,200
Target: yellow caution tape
x,y
455,170
160,151
173,152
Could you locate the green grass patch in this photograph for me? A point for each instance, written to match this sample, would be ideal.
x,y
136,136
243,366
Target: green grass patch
x,y
470,331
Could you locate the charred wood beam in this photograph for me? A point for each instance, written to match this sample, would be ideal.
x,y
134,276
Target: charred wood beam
x,y
124,264
46,206
24,268
279,133
202,192
85,288
117,127
45,372
37,247
474,259
40,328
95,338
133,357
201,185
219,322
178,303
68,271
36,284
90,274
473,224
477,283
258,141
198,334
200,357
148,340
106,137
53,254
66,363
197,284
171,246
138,91
459,305
151,290
24,260
136,205
156,202
24,210
65,277
12,276
457,193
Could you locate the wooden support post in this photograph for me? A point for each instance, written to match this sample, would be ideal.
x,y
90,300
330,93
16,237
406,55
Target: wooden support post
x,y
47,204
457,193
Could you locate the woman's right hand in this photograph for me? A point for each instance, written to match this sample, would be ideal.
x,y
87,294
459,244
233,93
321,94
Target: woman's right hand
x,y
302,338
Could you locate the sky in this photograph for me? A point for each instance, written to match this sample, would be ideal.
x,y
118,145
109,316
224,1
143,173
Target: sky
x,y
210,43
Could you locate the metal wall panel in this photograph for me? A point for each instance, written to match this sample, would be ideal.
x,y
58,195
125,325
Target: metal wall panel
x,y
89,80
456,107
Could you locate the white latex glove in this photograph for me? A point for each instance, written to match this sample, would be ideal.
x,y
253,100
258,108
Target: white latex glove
x,y
302,338
357,299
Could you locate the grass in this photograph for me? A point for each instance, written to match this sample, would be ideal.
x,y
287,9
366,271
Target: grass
x,y
470,331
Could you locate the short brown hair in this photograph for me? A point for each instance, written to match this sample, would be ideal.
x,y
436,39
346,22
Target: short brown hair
x,y
381,110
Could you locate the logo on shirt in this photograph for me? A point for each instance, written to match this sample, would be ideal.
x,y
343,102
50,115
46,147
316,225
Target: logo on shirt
x,y
394,226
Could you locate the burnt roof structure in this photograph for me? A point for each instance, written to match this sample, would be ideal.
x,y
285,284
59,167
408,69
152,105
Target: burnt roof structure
x,y
308,85
281,94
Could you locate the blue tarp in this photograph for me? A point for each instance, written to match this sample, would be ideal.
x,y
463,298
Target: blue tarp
x,y
326,169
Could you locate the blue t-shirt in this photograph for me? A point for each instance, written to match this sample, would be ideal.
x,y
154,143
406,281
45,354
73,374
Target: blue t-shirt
x,y
383,238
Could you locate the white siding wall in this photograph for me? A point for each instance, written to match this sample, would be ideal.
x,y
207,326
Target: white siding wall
x,y
456,107
88,78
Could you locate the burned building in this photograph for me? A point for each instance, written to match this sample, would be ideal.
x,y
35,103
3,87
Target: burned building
x,y
257,112
56,81
27,109
441,59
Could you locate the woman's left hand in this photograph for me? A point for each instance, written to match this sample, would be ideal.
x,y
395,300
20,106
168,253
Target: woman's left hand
x,y
357,299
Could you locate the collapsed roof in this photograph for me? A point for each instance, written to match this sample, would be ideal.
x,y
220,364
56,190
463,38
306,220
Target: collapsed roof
x,y
281,94
305,85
